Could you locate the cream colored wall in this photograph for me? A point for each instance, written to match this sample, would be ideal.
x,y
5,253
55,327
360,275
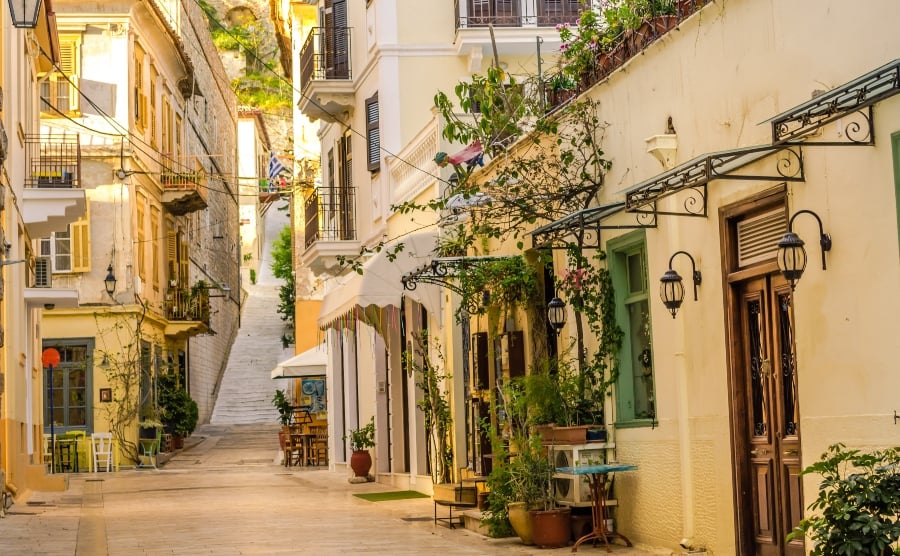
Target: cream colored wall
x,y
723,73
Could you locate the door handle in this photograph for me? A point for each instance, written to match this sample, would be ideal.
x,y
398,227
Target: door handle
x,y
791,452
759,452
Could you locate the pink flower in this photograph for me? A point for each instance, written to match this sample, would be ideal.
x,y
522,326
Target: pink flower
x,y
574,277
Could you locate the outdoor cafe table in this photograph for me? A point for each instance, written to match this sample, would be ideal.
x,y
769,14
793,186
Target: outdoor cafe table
x,y
596,475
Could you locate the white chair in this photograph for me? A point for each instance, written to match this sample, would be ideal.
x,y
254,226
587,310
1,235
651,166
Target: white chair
x,y
48,453
101,445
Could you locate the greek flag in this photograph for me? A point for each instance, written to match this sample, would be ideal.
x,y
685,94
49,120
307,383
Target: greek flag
x,y
275,166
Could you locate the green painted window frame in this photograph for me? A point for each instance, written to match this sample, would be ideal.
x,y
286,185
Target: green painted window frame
x,y
618,251
895,148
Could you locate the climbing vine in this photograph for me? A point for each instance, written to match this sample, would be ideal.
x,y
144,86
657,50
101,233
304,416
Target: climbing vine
x,y
432,380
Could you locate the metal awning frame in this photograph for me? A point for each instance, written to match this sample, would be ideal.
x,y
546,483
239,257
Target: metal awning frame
x,y
853,101
586,223
444,271
693,176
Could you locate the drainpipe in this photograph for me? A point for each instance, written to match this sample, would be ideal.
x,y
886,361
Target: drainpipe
x,y
684,440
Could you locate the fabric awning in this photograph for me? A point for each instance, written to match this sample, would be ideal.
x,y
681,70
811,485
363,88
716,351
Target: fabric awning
x,y
379,284
309,363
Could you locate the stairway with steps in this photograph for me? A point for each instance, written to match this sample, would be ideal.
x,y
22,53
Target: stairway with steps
x,y
245,394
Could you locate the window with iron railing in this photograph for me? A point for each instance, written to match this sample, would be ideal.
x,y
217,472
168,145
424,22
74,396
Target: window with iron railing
x,y
516,13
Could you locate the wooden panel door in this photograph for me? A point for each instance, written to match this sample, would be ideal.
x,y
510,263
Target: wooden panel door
x,y
770,448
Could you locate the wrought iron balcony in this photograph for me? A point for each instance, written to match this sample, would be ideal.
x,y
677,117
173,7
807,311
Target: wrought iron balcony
x,y
516,13
53,197
329,227
187,310
184,185
325,73
53,161
625,46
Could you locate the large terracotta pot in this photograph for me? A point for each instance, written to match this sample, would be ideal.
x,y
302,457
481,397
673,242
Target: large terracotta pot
x,y
360,463
520,519
551,528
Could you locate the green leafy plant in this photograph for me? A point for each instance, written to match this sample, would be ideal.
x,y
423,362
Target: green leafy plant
x,y
252,276
363,437
282,267
432,382
282,403
858,503
179,411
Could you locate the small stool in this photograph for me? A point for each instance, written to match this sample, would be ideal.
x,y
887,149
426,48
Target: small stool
x,y
148,448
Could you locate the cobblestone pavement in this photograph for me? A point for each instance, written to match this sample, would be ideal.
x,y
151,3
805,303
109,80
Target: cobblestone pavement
x,y
226,494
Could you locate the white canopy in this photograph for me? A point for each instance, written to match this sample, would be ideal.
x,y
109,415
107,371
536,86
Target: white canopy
x,y
379,284
309,363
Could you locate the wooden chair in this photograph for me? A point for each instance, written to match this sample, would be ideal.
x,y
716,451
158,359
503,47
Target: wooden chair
x,y
295,448
320,444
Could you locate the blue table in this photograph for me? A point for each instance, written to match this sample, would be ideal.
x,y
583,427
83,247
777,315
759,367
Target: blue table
x,y
597,480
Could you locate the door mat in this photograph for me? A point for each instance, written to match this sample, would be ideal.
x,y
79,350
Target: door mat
x,y
391,495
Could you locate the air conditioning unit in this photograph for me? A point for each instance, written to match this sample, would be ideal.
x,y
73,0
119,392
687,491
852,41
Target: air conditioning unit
x,y
43,273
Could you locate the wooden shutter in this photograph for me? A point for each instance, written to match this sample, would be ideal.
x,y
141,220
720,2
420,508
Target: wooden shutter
x,y
172,257
68,63
154,246
373,136
480,360
183,260
515,353
141,236
81,243
140,100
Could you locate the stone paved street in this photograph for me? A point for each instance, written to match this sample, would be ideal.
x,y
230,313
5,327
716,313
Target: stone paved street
x,y
226,494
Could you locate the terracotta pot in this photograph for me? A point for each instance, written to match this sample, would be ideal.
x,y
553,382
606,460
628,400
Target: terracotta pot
x,y
551,528
581,525
177,441
520,519
360,463
570,435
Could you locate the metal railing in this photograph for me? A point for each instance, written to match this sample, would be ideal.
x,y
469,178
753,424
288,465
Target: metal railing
x,y
179,173
185,304
514,13
53,160
330,216
624,47
325,55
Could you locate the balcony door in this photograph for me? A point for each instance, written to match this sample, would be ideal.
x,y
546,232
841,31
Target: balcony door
x,y
336,43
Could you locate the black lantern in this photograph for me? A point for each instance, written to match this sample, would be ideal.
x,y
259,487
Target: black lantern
x,y
671,286
24,13
792,254
556,314
110,281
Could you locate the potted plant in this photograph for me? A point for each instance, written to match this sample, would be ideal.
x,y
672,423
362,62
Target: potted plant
x,y
858,502
178,410
282,403
361,440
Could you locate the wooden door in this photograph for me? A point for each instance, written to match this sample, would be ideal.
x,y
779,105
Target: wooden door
x,y
770,498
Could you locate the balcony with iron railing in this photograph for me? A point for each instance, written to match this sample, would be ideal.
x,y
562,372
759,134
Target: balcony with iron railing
x,y
184,185
515,24
559,89
53,197
187,310
326,79
329,228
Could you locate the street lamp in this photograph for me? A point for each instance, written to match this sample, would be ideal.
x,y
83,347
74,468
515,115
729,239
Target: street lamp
x,y
671,288
110,281
24,13
556,314
792,254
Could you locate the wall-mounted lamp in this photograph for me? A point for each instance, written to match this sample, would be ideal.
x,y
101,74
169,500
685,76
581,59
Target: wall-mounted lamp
x,y
222,288
671,288
24,13
556,314
104,364
110,281
792,254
